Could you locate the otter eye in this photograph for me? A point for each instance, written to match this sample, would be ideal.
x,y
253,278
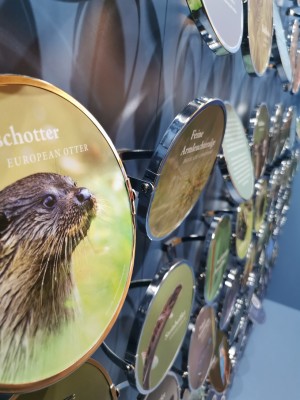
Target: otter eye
x,y
49,201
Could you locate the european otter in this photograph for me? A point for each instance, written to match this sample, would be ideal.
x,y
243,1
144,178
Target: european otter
x,y
43,217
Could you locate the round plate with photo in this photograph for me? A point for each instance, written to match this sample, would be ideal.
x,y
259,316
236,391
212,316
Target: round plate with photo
x,y
243,228
258,33
160,326
180,167
216,255
219,374
220,22
90,381
201,347
67,234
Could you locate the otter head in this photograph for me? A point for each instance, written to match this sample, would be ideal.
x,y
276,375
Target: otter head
x,y
45,214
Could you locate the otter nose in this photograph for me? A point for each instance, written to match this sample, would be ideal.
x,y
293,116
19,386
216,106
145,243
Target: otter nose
x,y
83,195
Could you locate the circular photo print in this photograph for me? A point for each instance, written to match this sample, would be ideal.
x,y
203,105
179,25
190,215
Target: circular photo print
x,y
201,347
166,312
258,36
219,374
67,235
181,165
90,381
217,258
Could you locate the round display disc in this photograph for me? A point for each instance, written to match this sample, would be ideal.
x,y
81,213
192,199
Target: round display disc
x,y
167,390
65,213
260,140
244,228
201,347
219,374
162,321
223,22
90,381
258,32
237,166
260,203
280,52
181,166
217,257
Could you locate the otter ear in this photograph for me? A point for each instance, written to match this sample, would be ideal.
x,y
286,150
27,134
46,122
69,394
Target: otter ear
x,y
4,221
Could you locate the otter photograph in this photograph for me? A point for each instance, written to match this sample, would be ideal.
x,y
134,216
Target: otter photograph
x,y
43,218
67,236
49,296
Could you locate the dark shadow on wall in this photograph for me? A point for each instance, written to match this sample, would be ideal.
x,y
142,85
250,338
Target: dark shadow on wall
x,y
19,45
117,66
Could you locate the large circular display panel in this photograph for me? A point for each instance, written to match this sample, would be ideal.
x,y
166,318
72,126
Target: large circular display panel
x,y
160,325
236,164
67,234
258,32
217,257
90,381
220,23
201,347
181,166
260,139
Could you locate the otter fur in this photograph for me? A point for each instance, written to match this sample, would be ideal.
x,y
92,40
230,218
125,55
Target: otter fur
x,y
43,218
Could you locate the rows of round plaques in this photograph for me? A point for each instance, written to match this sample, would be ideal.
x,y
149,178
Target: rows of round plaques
x,y
200,314
268,35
